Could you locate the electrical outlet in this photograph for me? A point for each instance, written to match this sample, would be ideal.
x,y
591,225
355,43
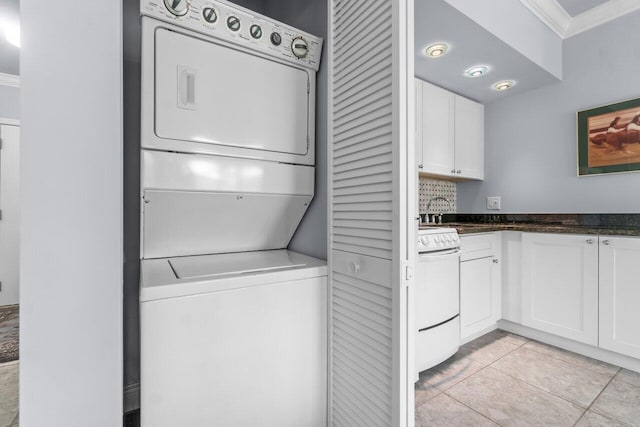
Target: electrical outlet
x,y
493,203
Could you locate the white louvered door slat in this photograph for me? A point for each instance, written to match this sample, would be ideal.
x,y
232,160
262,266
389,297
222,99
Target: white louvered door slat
x,y
371,101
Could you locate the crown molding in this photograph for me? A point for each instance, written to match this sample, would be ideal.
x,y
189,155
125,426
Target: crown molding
x,y
9,80
601,14
553,15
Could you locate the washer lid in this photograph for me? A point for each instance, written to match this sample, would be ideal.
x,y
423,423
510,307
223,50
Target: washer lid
x,y
234,264
177,277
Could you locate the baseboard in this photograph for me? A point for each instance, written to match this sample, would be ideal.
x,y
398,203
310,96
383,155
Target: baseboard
x,y
131,397
479,333
574,346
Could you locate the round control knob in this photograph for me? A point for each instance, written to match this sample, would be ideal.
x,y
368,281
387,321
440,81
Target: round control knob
x,y
300,47
276,39
255,31
424,240
233,23
209,14
177,7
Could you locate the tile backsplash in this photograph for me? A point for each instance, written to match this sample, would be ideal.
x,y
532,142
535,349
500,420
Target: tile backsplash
x,y
429,188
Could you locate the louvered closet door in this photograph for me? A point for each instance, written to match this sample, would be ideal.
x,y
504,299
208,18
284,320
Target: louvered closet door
x,y
370,148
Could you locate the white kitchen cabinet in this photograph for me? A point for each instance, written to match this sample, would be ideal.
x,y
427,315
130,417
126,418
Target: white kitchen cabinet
x,y
418,123
449,133
480,284
620,295
560,285
438,150
469,138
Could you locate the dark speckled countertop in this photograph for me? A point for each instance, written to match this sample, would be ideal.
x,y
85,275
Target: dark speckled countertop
x,y
603,224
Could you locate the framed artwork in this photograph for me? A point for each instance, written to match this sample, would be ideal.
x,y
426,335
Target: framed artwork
x,y
609,139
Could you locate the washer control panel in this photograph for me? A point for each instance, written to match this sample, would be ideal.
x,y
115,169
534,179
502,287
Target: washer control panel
x,y
238,25
437,239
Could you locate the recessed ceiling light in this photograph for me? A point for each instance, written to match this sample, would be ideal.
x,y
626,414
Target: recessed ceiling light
x,y
504,85
477,71
436,50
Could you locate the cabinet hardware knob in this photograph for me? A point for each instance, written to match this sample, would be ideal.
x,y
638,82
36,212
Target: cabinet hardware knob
x,y
496,260
590,241
453,171
606,242
420,166
459,171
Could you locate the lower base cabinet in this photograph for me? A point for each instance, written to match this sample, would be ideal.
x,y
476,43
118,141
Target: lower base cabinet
x,y
480,290
620,295
560,285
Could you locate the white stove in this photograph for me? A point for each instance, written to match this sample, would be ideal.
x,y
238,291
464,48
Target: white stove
x,y
437,239
437,296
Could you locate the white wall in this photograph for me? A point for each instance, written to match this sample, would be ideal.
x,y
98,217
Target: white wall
x,y
71,236
530,139
9,102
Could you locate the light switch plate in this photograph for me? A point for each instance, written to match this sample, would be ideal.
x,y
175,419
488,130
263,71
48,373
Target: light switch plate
x,y
493,203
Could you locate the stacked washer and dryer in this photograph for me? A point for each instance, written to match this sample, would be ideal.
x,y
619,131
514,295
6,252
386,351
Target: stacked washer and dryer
x,y
233,325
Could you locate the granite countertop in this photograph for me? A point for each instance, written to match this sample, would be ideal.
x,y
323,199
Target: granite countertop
x,y
596,224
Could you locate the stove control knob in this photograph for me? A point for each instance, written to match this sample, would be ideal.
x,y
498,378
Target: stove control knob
x,y
177,7
424,240
256,31
300,47
209,14
276,39
448,238
233,23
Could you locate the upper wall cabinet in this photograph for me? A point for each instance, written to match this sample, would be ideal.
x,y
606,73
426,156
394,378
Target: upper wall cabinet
x,y
449,133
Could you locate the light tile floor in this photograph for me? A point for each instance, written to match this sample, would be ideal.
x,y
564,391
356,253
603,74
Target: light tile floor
x,y
9,394
502,379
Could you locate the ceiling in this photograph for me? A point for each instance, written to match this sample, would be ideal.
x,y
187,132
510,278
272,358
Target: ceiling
x,y
9,54
570,17
470,45
576,7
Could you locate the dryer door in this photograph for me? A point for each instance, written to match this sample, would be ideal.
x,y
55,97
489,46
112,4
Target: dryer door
x,y
210,93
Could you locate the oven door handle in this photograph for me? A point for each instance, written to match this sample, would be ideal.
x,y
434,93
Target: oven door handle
x,y
439,255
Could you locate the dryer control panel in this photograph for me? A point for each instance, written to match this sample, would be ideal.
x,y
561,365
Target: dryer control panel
x,y
238,25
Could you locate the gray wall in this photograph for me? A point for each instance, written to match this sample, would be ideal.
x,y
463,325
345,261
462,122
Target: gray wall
x,y
9,102
311,16
71,215
310,238
531,138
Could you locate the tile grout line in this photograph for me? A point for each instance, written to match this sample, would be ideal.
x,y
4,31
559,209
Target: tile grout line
x,y
531,385
606,415
445,392
551,393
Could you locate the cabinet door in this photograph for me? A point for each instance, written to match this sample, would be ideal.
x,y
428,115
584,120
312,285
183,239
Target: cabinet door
x,y
620,295
437,130
418,136
476,296
10,223
469,138
560,285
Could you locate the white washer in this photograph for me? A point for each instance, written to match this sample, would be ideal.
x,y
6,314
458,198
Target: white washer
x,y
234,340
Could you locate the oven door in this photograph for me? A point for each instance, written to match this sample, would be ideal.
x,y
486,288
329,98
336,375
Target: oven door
x,y
437,295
